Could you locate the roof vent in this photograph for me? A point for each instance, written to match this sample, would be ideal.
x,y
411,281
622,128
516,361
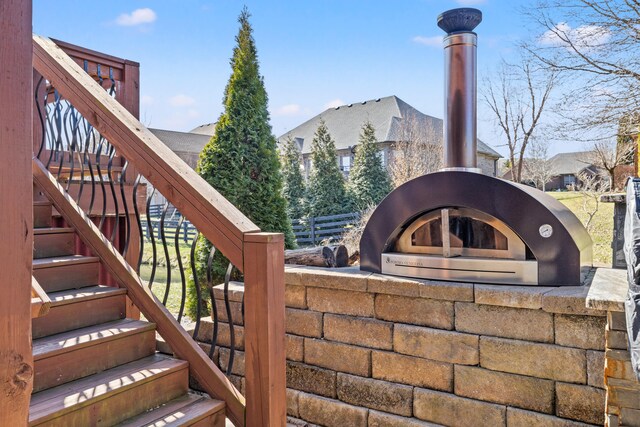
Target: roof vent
x,y
337,108
364,102
350,105
378,100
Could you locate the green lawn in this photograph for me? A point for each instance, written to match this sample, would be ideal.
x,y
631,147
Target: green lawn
x,y
601,227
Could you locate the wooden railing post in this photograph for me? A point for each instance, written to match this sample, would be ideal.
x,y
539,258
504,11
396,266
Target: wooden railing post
x,y
265,363
16,213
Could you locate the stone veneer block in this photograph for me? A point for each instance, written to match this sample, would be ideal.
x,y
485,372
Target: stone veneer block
x,y
582,403
611,420
623,393
295,296
629,417
617,321
508,389
435,344
448,291
311,379
338,357
569,300
330,413
415,311
375,394
238,361
510,296
521,418
445,408
236,312
294,347
205,333
359,331
616,339
235,291
340,301
618,365
381,419
303,322
383,284
348,278
292,402
535,360
580,331
412,371
595,368
506,322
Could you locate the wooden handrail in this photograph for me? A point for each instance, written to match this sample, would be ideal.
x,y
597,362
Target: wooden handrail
x,y
218,220
203,369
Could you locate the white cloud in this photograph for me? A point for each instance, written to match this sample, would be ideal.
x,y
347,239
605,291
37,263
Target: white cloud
x,y
584,37
137,17
181,100
470,2
334,103
434,41
288,110
147,100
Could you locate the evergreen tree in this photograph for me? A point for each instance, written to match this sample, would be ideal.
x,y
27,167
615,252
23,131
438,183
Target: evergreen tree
x,y
326,194
241,159
294,189
369,181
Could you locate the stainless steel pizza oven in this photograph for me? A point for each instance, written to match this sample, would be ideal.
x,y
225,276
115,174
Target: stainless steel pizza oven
x,y
458,224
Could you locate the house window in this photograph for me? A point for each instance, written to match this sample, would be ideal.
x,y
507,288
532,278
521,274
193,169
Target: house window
x,y
383,158
345,163
307,167
569,180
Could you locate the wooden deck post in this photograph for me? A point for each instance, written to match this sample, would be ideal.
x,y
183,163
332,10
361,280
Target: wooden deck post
x,y
265,363
16,211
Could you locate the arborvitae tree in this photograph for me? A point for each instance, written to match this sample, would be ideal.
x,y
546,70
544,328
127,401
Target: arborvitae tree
x,y
369,181
241,160
326,193
294,188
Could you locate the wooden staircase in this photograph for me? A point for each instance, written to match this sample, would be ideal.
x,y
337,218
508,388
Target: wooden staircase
x,y
93,366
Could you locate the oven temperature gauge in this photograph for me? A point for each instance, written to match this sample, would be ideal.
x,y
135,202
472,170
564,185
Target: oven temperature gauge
x,y
546,230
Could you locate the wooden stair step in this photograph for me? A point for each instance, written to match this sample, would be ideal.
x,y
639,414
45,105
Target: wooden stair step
x,y
42,212
53,242
112,396
78,308
76,354
188,410
66,272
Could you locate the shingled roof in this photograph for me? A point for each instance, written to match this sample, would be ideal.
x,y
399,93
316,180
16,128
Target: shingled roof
x,y
571,163
386,115
186,145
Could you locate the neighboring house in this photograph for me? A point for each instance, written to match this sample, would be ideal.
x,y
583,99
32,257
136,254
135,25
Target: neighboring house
x,y
564,170
187,145
391,118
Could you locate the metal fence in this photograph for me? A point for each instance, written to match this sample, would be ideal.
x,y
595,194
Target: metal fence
x,y
170,223
330,228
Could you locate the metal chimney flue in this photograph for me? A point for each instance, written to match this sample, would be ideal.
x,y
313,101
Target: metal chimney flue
x,y
460,119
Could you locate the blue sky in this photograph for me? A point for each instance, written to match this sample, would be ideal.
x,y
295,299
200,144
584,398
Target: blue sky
x,y
312,54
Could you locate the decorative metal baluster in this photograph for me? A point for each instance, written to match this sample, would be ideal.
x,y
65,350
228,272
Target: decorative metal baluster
x,y
40,115
136,184
167,259
232,335
90,142
154,259
55,123
127,220
183,281
64,131
114,195
196,283
102,187
214,308
75,123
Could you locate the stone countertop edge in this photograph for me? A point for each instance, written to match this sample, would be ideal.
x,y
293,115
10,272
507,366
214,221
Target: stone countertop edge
x,y
604,289
608,290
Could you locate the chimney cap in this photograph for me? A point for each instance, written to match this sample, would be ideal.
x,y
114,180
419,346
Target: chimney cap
x,y
463,19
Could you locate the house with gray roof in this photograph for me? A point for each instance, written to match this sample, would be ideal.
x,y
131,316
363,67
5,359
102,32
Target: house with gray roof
x,y
187,145
390,117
